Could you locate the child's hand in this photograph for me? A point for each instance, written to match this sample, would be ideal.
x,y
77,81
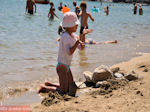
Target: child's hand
x,y
87,31
82,44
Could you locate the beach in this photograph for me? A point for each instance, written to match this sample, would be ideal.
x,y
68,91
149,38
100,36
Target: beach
x,y
28,56
134,97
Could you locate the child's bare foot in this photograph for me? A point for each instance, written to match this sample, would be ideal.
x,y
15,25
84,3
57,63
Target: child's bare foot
x,y
42,89
87,31
115,41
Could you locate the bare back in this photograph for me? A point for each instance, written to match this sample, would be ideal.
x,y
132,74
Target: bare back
x,y
51,11
84,19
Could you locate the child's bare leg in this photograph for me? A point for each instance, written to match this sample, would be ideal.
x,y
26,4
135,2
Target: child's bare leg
x,y
111,42
63,78
72,85
85,31
83,38
70,77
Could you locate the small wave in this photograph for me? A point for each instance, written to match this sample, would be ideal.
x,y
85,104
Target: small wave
x,y
48,66
30,59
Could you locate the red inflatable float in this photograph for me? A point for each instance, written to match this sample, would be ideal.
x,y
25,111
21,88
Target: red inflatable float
x,y
42,1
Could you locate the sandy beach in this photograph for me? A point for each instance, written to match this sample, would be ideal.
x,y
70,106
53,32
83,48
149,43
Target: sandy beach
x,y
29,52
133,97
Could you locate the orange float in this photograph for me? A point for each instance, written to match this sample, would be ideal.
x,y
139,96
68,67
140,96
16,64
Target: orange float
x,y
65,9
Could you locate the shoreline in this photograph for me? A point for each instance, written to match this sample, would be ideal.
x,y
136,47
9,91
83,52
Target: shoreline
x,y
85,99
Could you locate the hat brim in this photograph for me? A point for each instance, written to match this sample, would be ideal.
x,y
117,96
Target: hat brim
x,y
68,25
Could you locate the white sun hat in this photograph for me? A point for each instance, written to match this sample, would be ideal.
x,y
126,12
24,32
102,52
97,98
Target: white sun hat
x,y
69,20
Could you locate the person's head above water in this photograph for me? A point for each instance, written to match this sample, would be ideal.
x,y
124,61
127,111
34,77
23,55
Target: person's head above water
x,y
74,3
51,4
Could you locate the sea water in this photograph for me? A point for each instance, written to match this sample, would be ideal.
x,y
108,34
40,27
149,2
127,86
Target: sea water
x,y
28,47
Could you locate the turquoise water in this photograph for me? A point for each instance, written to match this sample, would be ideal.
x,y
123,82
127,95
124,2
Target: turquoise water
x,y
28,47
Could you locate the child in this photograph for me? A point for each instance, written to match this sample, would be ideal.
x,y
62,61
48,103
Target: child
x,y
84,18
29,6
106,10
140,10
77,10
135,8
51,13
60,6
67,46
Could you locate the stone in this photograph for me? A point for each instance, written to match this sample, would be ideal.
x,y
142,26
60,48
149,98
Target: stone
x,y
88,76
131,76
89,84
115,69
118,75
101,73
145,70
81,85
98,84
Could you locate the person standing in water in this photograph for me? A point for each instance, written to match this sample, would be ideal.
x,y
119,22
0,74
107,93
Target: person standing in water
x,y
29,6
106,10
84,18
140,10
77,10
60,6
135,8
51,13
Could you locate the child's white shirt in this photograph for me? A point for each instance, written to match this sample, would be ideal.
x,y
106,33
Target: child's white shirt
x,y
66,42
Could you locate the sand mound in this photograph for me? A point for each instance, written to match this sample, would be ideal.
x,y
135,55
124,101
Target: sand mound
x,y
54,98
110,85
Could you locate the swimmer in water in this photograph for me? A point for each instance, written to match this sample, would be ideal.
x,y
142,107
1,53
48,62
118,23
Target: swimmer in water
x,y
91,41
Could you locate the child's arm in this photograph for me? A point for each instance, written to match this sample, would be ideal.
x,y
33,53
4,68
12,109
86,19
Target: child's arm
x,y
89,15
80,13
81,44
35,8
48,13
73,48
56,15
26,6
34,5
